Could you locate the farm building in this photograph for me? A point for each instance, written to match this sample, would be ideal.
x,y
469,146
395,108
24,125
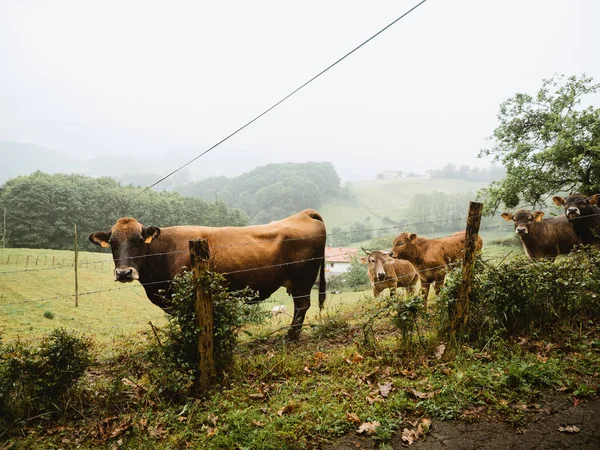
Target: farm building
x,y
337,259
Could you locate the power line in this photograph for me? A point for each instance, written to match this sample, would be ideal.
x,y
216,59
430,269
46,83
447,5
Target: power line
x,y
277,103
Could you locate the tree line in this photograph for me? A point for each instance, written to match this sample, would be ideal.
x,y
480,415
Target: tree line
x,y
273,191
41,209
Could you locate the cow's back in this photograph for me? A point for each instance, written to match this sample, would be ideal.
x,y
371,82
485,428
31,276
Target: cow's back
x,y
549,238
405,271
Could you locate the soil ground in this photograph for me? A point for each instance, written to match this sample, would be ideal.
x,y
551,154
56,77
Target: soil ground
x,y
541,432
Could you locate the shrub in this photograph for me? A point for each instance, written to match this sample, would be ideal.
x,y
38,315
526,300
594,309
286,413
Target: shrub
x,y
48,314
35,378
521,294
175,361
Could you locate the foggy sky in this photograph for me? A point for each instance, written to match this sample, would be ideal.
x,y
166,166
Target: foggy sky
x,y
142,78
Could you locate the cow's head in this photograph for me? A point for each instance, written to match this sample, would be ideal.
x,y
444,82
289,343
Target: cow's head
x,y
577,205
128,240
523,219
403,245
375,261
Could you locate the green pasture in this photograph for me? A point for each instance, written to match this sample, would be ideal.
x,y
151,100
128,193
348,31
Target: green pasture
x,y
388,198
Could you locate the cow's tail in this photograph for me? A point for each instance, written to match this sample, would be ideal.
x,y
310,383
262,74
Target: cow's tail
x,y
322,285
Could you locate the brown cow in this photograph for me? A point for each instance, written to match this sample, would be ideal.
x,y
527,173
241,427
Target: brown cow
x,y
431,256
584,215
386,272
546,238
287,252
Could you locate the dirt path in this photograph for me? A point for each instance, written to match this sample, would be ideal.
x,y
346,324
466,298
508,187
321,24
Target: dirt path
x,y
540,433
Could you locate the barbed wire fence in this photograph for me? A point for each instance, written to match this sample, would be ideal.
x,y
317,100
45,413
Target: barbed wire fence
x,y
102,264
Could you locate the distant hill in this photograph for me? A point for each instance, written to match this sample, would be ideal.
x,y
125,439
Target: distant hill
x,y
24,159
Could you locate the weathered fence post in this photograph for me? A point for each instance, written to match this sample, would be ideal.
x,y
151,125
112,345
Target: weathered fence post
x,y
75,265
200,258
460,314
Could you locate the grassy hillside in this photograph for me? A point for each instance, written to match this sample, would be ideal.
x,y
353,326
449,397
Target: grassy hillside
x,y
378,199
35,299
37,294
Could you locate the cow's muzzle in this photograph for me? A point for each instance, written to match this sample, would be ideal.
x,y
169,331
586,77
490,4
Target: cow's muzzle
x,y
381,276
571,213
126,274
521,230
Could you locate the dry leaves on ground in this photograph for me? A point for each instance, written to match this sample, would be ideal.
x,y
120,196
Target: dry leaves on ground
x,y
410,436
368,427
569,429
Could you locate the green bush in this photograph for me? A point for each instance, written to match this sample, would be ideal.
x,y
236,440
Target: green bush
x,y
174,360
36,377
521,295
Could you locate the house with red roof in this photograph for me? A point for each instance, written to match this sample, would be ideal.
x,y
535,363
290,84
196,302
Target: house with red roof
x,y
338,259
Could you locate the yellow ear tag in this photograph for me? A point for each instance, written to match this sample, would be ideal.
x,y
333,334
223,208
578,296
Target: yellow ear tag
x,y
104,244
148,239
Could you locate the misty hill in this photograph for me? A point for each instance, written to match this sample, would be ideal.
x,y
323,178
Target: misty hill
x,y
24,159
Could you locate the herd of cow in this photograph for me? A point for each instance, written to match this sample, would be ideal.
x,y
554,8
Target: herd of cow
x,y
291,252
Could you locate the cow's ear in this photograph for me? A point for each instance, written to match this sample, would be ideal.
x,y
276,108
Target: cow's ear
x,y
150,233
538,215
412,237
100,238
507,216
362,259
558,200
593,200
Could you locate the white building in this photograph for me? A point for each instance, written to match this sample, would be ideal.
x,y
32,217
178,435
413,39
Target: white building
x,y
338,259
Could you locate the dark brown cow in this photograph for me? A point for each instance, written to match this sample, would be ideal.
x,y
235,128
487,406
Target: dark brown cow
x,y
431,256
584,215
546,238
386,272
287,252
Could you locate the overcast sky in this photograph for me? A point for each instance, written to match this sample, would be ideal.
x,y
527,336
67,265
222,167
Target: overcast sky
x,y
142,78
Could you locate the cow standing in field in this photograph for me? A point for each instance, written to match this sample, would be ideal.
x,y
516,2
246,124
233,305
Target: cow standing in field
x,y
584,214
386,272
546,238
431,256
287,252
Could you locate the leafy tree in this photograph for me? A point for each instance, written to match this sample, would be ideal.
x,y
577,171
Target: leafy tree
x,y
548,143
356,275
42,208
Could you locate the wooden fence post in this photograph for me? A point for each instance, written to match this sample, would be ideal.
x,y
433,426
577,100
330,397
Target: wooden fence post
x,y
75,265
200,259
460,314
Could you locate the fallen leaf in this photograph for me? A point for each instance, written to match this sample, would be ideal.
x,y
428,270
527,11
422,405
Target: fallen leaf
x,y
409,436
319,356
409,374
569,429
258,424
422,395
352,417
474,411
543,359
210,432
157,432
368,427
576,401
370,400
355,359
385,389
212,419
182,418
257,396
439,351
287,409
307,369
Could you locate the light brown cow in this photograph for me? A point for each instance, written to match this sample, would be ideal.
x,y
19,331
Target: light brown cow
x,y
546,238
287,252
431,256
386,272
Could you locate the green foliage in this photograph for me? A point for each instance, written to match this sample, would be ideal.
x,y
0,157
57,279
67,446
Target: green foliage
x,y
522,295
273,191
547,142
356,232
176,358
356,275
34,378
42,209
48,314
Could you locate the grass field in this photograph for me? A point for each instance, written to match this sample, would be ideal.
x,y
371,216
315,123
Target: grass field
x,y
388,198
37,299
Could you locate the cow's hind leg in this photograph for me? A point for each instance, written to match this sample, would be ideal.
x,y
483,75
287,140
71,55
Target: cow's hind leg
x,y
301,305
